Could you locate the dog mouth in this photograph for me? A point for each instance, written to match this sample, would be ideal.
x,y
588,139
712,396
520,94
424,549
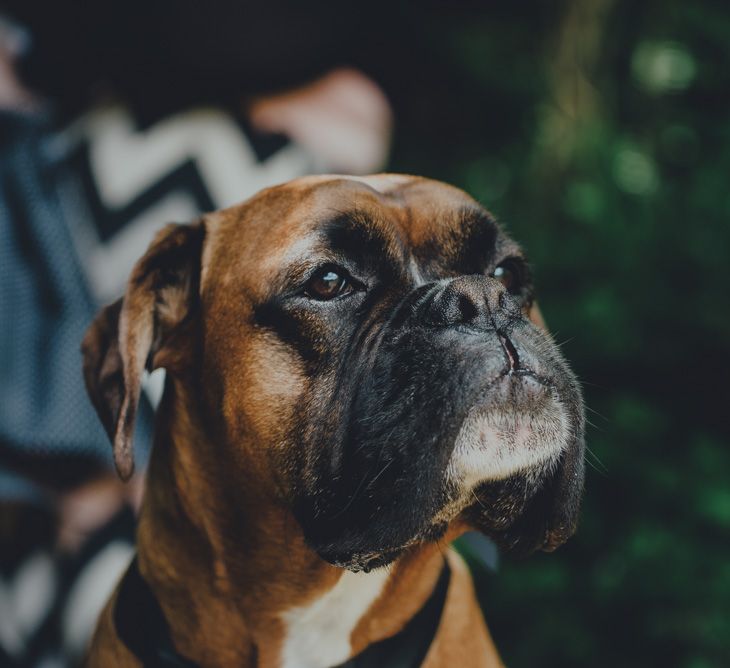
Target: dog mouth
x,y
516,389
412,460
518,426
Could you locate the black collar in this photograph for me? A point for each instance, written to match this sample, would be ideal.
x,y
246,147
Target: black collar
x,y
142,627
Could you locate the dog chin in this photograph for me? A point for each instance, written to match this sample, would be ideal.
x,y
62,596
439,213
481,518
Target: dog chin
x,y
361,563
522,428
370,558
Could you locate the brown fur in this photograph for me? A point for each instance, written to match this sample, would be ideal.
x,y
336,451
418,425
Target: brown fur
x,y
216,540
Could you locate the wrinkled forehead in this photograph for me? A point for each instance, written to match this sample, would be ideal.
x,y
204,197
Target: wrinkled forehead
x,y
418,209
401,218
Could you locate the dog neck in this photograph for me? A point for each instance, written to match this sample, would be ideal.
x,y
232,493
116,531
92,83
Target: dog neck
x,y
233,575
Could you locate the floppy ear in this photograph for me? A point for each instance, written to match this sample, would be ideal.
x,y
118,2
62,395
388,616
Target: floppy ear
x,y
133,333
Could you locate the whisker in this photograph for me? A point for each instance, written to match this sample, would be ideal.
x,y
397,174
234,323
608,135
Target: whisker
x,y
476,498
354,495
595,412
594,425
381,471
603,469
590,384
562,343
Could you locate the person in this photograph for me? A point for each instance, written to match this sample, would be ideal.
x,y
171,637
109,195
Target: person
x,y
110,126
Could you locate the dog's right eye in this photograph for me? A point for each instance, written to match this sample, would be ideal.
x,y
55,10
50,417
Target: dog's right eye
x,y
328,283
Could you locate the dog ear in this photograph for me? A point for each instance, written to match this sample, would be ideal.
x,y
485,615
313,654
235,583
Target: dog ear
x,y
135,332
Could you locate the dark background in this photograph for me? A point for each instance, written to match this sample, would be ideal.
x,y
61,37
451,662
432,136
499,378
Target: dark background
x,y
598,131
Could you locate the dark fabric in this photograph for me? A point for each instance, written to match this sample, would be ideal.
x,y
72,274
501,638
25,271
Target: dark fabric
x,y
142,627
30,567
167,55
45,307
65,249
141,624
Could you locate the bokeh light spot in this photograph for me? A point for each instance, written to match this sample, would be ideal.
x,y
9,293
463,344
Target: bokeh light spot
x,y
663,67
634,170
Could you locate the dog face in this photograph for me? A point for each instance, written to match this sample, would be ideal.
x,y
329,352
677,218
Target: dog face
x,y
372,340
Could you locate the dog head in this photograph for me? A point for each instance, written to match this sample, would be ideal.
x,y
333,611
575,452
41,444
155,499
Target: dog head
x,y
372,348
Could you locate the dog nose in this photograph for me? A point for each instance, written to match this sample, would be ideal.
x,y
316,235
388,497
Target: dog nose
x,y
479,301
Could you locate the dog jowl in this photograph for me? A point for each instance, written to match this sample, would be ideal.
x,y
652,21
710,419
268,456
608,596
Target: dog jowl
x,y
378,342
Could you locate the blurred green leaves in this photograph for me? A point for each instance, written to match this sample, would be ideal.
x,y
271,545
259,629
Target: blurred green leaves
x,y
663,67
599,132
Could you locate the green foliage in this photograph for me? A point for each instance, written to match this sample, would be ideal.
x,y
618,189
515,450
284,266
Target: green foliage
x,y
599,132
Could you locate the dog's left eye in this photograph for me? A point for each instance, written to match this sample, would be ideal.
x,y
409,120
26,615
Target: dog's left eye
x,y
510,273
328,283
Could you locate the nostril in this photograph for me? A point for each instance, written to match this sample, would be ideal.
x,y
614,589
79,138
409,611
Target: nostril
x,y
467,309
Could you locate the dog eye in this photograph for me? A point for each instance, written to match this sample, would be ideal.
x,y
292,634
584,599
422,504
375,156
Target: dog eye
x,y
510,274
328,283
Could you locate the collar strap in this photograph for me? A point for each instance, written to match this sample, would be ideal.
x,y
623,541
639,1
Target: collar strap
x,y
141,624
142,627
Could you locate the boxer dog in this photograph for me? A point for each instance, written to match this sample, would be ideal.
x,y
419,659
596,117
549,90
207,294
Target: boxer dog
x,y
356,374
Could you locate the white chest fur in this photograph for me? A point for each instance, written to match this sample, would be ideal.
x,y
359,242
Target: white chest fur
x,y
318,634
